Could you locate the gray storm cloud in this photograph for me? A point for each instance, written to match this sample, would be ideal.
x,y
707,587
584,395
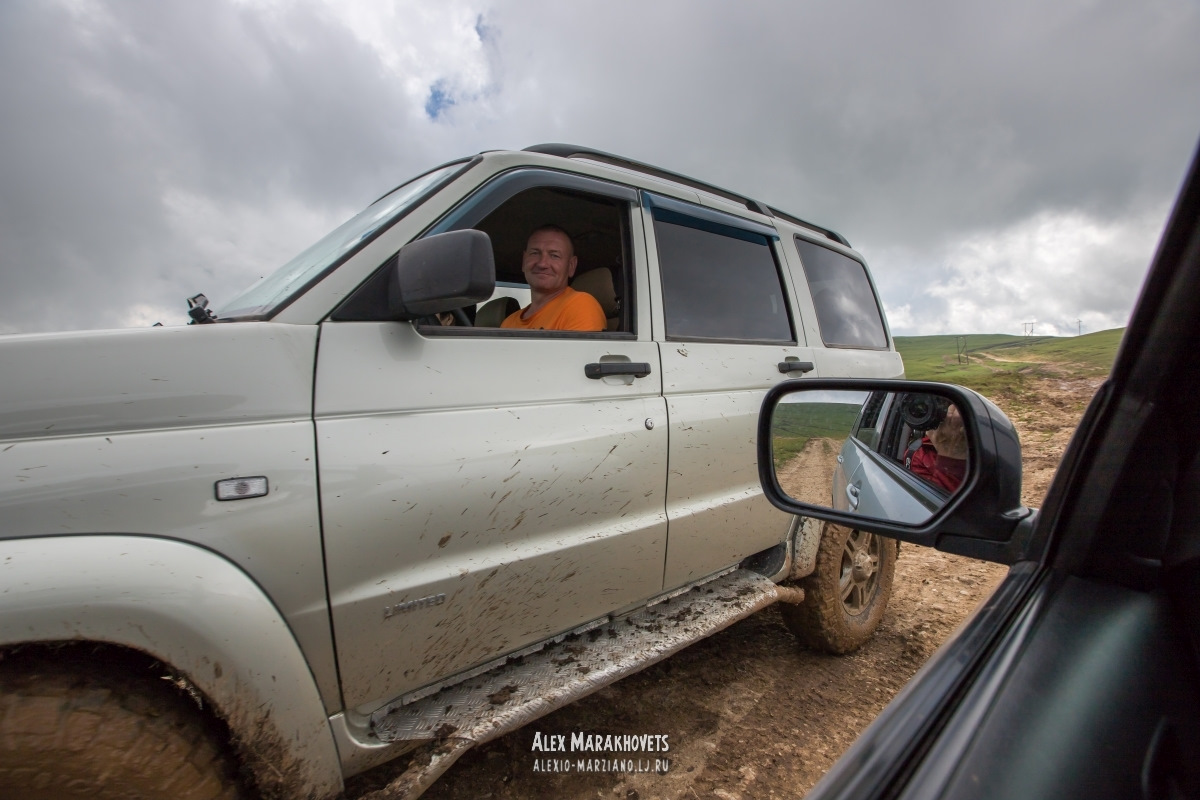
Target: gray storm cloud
x,y
995,163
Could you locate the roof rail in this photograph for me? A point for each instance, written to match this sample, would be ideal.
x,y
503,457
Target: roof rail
x,y
826,232
574,151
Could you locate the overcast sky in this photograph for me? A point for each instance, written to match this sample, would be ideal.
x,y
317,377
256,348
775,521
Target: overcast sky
x,y
996,163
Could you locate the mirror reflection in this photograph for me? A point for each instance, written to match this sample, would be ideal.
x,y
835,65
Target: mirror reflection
x,y
895,456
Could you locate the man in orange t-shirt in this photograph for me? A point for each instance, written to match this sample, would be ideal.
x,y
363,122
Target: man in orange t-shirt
x,y
548,263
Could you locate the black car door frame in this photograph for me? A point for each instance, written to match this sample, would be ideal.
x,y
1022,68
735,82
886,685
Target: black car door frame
x,y
1079,675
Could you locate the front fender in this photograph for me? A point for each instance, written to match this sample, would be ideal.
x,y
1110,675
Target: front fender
x,y
195,612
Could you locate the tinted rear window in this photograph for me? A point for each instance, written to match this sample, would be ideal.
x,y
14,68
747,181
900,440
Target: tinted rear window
x,y
847,310
719,284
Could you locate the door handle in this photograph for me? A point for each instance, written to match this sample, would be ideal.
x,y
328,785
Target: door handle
x,y
596,371
852,495
795,366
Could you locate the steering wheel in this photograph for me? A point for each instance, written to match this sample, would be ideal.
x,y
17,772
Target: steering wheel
x,y
461,318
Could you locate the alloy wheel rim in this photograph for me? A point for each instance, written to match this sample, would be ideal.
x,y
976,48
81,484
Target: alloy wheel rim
x,y
859,578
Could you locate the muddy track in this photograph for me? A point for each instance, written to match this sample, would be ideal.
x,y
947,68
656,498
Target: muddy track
x,y
748,713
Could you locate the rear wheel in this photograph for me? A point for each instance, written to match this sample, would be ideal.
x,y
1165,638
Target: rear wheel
x,y
845,597
65,733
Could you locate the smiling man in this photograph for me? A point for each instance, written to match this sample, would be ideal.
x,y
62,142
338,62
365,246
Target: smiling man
x,y
548,263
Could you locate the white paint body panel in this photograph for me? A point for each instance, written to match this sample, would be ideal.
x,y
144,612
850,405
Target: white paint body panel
x,y
488,470
213,402
190,609
103,382
716,509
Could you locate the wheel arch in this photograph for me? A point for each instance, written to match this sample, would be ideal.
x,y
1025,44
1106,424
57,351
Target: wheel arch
x,y
201,617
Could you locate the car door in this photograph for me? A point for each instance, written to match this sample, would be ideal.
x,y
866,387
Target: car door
x,y
1080,677
726,327
481,490
864,435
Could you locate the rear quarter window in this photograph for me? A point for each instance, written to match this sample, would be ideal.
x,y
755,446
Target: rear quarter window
x,y
847,309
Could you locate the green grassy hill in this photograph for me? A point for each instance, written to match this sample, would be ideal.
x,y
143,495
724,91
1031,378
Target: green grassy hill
x,y
795,423
998,364
1095,352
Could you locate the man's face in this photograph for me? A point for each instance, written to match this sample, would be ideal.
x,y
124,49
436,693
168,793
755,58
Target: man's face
x,y
548,262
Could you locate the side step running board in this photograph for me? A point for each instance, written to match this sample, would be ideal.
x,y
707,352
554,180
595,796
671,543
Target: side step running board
x,y
498,702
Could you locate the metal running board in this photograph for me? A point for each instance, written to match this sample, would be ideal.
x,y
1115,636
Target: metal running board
x,y
498,702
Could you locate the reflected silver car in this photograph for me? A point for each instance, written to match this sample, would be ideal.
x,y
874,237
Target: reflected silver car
x,y
875,475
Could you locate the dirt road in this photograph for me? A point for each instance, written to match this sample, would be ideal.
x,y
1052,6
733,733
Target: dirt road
x,y
748,713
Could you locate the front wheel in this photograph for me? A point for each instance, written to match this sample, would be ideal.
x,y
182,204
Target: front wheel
x,y
82,733
845,597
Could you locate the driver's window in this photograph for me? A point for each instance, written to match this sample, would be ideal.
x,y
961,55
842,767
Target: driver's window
x,y
593,216
866,429
931,438
597,229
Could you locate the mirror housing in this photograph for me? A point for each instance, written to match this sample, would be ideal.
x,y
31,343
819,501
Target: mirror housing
x,y
983,519
441,273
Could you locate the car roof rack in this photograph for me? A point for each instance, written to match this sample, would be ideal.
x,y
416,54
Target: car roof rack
x,y
575,151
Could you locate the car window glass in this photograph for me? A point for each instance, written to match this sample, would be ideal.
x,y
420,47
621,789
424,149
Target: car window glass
x,y
847,310
719,283
867,429
270,293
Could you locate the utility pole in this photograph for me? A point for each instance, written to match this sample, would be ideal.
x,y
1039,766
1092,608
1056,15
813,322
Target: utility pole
x,y
1028,329
960,343
1079,322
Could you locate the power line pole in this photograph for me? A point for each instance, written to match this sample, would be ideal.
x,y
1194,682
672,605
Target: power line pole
x,y
1079,322
1028,329
960,343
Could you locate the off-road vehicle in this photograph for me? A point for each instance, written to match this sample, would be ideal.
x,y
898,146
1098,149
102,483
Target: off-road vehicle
x,y
321,530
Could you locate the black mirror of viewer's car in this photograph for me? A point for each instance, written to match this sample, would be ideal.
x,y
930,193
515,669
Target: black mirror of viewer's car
x,y
441,273
928,463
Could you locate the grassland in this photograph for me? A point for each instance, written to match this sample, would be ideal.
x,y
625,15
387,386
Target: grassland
x,y
795,423
999,365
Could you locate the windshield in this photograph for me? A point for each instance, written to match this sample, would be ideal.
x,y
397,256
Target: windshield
x,y
276,289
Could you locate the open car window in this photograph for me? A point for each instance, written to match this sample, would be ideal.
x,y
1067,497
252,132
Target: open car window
x,y
599,229
594,214
885,426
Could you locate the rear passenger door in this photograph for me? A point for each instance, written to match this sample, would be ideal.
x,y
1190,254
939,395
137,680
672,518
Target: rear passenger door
x,y
725,325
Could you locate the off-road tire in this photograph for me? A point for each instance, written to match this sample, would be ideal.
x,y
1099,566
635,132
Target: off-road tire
x,y
65,733
842,608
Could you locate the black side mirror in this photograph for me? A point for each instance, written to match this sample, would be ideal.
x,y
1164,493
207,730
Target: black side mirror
x,y
928,463
441,273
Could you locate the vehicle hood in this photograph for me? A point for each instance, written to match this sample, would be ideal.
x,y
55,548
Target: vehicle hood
x,y
96,382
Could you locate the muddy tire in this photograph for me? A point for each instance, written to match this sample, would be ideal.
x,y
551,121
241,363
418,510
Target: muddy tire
x,y
845,597
64,734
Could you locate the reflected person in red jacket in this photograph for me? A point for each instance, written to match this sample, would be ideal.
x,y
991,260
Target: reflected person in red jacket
x,y
941,457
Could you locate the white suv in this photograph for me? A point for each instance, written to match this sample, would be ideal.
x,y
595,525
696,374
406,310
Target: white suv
x,y
348,533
